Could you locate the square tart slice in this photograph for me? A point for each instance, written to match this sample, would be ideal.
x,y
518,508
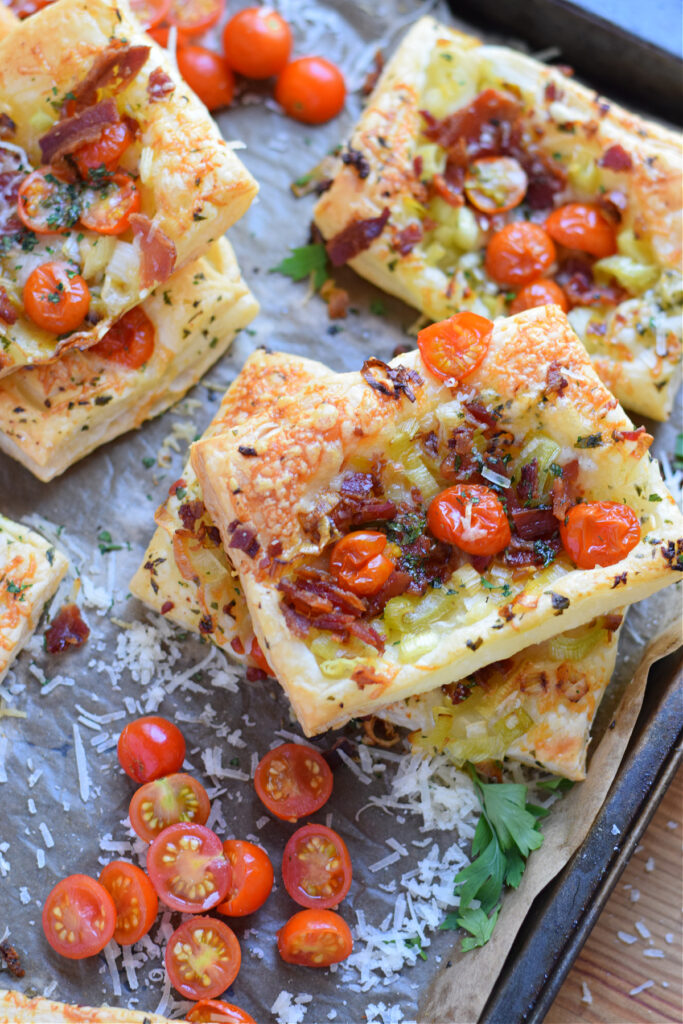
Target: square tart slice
x,y
30,572
185,573
112,169
530,421
458,141
55,414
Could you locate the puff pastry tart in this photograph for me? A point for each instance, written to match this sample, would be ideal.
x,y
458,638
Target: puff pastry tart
x,y
114,177
16,1008
30,572
478,178
53,415
501,505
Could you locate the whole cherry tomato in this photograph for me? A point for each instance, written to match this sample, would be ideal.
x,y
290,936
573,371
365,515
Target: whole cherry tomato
x,y
252,878
46,203
293,780
217,1011
207,73
494,184
584,227
202,958
135,900
257,42
471,517
130,343
453,348
358,563
151,746
79,917
192,17
519,253
107,209
311,89
104,152
167,801
599,533
188,868
316,867
315,938
542,292
56,298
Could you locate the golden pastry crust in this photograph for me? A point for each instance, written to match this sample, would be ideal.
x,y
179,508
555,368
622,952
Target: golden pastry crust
x,y
16,1008
53,415
636,346
30,572
294,476
192,186
8,20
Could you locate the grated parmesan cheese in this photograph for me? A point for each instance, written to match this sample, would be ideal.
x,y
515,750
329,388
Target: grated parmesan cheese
x,y
641,988
81,765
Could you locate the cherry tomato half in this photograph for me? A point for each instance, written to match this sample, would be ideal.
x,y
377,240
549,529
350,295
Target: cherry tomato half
x,y
207,73
202,958
453,348
108,208
316,867
46,204
257,42
258,658
471,517
599,533
151,746
56,298
252,878
150,12
584,227
188,868
167,801
358,564
519,253
130,343
217,1011
104,152
293,780
25,8
494,184
315,938
311,89
192,17
135,900
79,917
542,292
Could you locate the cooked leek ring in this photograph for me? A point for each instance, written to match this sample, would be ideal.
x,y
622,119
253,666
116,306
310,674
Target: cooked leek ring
x,y
545,451
339,668
414,645
419,476
634,276
544,579
574,648
466,738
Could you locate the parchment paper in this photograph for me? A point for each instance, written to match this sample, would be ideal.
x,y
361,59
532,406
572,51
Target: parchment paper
x,y
182,678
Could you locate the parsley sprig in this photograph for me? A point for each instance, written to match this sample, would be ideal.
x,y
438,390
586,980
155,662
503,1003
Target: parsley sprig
x,y
306,260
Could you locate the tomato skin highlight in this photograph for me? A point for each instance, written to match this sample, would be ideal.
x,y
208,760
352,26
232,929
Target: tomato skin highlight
x,y
193,17
314,938
311,90
257,42
252,878
488,531
170,800
495,184
104,152
584,227
46,204
452,349
519,253
55,298
259,659
293,780
205,936
79,917
358,563
188,868
542,292
135,900
150,12
130,343
599,533
150,747
207,74
217,1011
316,867
108,210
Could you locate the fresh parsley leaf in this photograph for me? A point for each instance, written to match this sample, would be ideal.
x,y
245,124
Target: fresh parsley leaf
x,y
483,878
478,925
555,785
589,441
416,941
655,497
148,461
505,806
378,308
106,543
678,449
307,259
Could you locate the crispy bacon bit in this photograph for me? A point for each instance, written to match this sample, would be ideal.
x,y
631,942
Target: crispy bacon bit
x,y
359,503
365,676
354,158
112,69
372,76
570,686
86,126
575,276
177,485
456,692
620,580
7,311
66,630
628,435
11,958
190,512
449,188
205,625
616,159
534,523
400,379
337,300
481,414
563,489
12,174
355,238
483,123
614,204
244,539
380,733
520,552
612,621
160,86
555,383
247,451
551,92
167,607
407,238
528,484
314,591
7,126
480,562
156,248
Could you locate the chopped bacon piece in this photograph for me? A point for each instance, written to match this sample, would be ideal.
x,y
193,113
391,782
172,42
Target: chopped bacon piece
x,y
156,248
575,276
307,602
113,69
483,124
354,158
612,621
190,512
521,552
7,126
7,311
11,957
319,582
407,238
527,487
364,676
66,630
534,523
355,238
449,188
456,692
372,76
66,136
160,86
337,300
244,539
367,634
614,204
480,413
555,383
392,381
563,491
480,562
167,607
616,159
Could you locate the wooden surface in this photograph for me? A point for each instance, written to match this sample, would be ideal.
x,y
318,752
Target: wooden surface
x,y
648,894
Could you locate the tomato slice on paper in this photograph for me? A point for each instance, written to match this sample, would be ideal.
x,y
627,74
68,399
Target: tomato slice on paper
x,y
252,878
188,868
315,938
293,780
79,917
163,802
316,867
202,958
217,1011
453,348
135,900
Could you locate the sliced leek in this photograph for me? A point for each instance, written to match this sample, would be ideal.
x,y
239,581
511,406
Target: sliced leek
x,y
340,668
568,647
546,452
414,645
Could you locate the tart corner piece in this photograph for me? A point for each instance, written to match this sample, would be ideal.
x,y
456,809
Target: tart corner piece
x,y
16,1008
